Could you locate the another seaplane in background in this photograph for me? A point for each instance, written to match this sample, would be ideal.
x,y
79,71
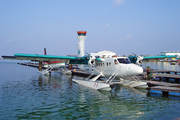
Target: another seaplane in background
x,y
53,64
104,63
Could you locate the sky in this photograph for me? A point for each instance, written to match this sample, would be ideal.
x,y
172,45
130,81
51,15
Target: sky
x,y
121,26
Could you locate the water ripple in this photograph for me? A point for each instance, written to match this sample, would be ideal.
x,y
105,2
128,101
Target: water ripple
x,y
29,95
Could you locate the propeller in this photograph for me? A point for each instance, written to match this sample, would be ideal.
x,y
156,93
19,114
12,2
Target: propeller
x,y
139,59
91,59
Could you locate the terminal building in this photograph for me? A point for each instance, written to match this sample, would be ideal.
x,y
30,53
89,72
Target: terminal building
x,y
164,56
176,53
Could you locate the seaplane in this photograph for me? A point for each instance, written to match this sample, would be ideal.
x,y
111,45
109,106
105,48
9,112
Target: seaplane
x,y
104,64
53,64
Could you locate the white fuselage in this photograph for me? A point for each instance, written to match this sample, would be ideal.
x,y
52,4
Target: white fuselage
x,y
115,65
54,64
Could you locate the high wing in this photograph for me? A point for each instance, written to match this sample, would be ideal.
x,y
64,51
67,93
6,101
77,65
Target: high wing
x,y
160,56
135,59
49,58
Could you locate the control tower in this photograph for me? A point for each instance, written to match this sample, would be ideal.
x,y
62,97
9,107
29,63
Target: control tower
x,y
81,46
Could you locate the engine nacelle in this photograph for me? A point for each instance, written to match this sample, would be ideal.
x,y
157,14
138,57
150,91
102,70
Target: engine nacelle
x,y
92,60
136,59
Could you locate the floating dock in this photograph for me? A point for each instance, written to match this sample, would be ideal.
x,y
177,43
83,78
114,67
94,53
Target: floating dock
x,y
32,65
166,71
168,76
164,74
164,89
80,73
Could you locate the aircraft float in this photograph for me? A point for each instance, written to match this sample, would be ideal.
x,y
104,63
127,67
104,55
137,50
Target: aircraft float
x,y
103,63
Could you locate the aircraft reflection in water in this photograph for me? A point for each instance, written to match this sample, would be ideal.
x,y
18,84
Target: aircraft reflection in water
x,y
119,103
55,80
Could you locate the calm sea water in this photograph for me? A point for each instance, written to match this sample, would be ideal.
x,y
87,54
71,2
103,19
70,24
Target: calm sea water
x,y
25,94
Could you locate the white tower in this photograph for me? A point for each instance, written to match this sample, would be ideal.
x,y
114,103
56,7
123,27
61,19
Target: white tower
x,y
81,47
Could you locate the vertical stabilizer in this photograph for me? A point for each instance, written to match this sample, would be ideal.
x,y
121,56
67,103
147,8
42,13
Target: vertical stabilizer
x,y
45,51
81,38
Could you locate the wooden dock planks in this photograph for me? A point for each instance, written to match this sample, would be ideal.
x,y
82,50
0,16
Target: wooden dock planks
x,y
174,76
156,83
165,88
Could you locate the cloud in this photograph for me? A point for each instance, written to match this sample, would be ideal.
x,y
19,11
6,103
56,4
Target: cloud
x,y
128,37
136,45
152,39
107,25
10,40
118,2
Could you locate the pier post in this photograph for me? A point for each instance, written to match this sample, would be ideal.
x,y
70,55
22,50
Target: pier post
x,y
40,66
176,80
70,66
148,73
167,72
165,93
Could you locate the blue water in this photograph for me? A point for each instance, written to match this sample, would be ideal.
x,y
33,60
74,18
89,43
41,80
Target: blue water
x,y
25,94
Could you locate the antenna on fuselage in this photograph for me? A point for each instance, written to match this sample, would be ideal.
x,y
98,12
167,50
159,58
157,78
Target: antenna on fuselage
x,y
87,53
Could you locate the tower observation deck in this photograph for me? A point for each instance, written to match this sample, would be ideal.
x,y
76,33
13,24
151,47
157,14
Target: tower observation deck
x,y
81,33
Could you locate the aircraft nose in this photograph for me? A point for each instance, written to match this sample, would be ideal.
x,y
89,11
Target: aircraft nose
x,y
139,70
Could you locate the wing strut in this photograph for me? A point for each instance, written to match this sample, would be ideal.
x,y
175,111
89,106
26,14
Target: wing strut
x,y
40,66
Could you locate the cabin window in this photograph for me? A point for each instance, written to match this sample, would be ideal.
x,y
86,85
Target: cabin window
x,y
103,64
107,64
115,62
124,60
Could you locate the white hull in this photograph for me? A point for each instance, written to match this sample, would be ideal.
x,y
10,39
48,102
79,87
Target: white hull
x,y
44,72
98,85
134,83
65,71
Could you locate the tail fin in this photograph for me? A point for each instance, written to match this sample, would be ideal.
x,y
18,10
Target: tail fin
x,y
45,51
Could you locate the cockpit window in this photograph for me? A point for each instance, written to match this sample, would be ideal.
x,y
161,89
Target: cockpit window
x,y
124,60
115,62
